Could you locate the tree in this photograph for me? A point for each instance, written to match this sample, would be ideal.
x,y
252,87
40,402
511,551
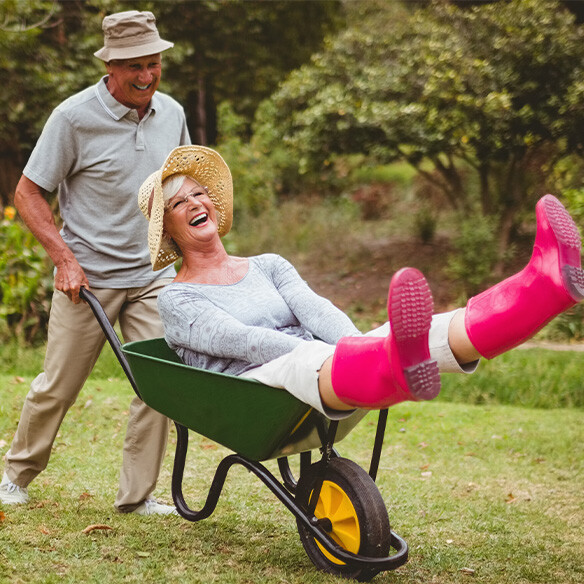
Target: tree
x,y
45,55
495,90
238,51
225,50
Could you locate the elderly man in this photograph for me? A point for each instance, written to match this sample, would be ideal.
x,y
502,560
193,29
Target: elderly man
x,y
96,148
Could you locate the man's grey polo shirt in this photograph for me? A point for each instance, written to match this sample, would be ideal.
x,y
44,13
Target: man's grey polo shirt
x,y
97,153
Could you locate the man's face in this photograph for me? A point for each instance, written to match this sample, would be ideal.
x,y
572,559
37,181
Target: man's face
x,y
133,81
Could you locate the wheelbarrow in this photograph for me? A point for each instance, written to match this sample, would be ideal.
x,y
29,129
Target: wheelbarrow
x,y
341,517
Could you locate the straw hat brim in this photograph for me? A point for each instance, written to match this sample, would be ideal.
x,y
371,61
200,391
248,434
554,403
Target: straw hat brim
x,y
208,168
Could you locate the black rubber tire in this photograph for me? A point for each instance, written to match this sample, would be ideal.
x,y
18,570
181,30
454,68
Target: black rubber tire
x,y
370,513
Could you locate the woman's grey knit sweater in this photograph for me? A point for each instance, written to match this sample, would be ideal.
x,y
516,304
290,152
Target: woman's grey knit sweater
x,y
232,328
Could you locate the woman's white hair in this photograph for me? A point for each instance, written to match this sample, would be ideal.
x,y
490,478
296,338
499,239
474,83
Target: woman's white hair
x,y
171,186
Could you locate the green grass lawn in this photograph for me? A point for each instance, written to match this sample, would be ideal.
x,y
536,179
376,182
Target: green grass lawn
x,y
482,491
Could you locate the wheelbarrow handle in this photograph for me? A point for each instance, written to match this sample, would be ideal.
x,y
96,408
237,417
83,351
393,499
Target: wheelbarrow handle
x,y
110,334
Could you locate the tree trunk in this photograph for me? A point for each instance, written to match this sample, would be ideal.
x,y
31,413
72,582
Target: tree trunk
x,y
504,237
10,171
451,184
201,114
485,193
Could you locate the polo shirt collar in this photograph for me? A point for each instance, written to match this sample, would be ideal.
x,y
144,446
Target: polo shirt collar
x,y
112,106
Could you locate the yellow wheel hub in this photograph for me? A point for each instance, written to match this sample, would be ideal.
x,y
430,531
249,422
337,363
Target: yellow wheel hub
x,y
336,506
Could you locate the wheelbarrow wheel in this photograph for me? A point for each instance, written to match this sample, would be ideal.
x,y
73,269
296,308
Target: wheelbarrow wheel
x,y
358,518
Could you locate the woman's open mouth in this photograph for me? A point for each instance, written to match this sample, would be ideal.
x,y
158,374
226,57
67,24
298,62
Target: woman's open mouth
x,y
199,219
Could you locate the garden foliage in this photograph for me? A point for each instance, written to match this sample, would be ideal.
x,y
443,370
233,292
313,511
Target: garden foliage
x,y
26,282
494,90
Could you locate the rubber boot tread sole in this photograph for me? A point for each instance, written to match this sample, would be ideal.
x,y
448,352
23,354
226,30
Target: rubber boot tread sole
x,y
411,308
567,234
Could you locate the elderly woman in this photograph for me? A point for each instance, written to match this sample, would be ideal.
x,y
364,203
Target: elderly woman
x,y
256,318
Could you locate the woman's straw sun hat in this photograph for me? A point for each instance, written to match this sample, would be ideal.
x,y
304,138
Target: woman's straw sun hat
x,y
203,165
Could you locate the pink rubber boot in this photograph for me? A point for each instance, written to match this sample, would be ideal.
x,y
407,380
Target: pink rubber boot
x,y
512,311
377,372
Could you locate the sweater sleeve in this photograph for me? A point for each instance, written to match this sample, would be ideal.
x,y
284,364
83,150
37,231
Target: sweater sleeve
x,y
315,313
194,323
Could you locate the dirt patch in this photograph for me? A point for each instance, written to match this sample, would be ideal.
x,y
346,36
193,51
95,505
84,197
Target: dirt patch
x,y
358,276
362,279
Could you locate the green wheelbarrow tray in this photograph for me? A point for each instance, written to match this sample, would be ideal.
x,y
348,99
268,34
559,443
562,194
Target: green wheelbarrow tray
x,y
257,421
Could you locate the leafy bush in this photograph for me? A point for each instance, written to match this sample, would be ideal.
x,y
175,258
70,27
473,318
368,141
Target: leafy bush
x,y
426,223
253,175
26,282
574,200
569,326
373,199
475,255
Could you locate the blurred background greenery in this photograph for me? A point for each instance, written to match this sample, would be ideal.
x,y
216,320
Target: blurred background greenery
x,y
362,136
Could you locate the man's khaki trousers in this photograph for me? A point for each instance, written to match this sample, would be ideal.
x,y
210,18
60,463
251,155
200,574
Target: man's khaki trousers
x,y
74,343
